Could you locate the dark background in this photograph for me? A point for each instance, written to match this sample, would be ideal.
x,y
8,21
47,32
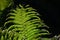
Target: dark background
x,y
49,9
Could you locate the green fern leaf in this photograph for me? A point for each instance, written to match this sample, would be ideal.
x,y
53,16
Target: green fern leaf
x,y
24,24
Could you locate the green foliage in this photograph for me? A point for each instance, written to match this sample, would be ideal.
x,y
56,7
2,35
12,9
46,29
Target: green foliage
x,y
24,25
4,4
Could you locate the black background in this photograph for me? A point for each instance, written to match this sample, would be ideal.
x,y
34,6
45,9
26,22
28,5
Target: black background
x,y
49,9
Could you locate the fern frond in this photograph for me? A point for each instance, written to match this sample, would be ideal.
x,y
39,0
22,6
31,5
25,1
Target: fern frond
x,y
26,24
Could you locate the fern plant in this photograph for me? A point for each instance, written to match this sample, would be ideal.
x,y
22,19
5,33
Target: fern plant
x,y
25,23
22,23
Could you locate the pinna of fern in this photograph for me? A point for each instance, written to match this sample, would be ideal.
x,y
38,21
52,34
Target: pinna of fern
x,y
22,23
